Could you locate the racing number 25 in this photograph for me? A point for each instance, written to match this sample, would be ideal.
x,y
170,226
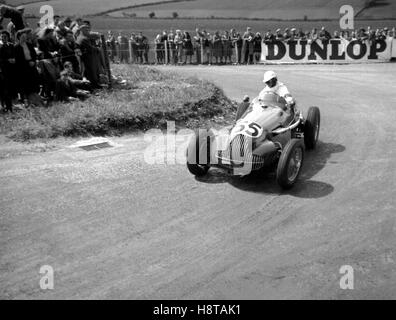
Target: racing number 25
x,y
252,129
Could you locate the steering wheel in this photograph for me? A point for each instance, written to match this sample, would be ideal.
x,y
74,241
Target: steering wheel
x,y
276,100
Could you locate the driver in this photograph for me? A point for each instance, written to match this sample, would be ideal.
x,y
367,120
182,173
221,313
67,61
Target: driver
x,y
273,85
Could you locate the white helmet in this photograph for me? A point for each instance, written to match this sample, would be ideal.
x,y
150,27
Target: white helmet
x,y
269,75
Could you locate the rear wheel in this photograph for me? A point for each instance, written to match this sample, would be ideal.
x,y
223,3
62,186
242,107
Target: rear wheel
x,y
312,127
290,163
198,153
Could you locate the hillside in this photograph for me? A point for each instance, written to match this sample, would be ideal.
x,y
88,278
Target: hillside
x,y
381,9
262,9
265,9
78,7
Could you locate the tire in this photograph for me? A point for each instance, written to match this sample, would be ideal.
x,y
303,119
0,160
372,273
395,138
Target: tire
x,y
198,153
286,175
312,128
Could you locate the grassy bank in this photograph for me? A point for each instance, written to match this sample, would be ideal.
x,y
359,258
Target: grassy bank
x,y
151,99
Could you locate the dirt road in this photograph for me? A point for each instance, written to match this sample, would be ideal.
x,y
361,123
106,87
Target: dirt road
x,y
113,226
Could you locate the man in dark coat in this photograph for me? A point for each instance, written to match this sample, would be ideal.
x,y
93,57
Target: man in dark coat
x,y
324,35
248,46
7,71
26,65
89,57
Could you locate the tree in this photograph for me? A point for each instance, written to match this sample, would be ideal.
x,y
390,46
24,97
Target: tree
x,y
151,15
175,15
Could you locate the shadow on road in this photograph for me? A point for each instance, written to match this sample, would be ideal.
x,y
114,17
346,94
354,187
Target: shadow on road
x,y
265,182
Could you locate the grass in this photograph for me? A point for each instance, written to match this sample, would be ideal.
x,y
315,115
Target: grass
x,y
281,9
154,98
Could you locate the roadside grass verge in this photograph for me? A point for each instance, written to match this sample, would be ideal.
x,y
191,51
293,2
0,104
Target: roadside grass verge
x,y
152,99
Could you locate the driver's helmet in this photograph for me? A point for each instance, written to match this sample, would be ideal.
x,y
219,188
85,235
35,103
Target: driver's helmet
x,y
270,79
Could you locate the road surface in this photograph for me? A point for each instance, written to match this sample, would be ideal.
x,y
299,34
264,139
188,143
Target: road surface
x,y
113,226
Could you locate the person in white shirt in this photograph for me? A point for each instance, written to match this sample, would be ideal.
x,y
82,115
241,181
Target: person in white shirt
x,y
272,85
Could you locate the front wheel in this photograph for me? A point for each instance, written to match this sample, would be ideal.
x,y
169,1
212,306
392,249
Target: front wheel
x,y
312,127
290,163
198,153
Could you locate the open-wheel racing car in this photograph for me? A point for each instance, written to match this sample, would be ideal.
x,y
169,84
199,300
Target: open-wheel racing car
x,y
269,135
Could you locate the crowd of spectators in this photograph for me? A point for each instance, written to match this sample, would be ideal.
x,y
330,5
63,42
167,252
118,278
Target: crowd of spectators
x,y
226,47
66,61
58,62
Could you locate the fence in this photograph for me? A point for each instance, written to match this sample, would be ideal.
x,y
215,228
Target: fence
x,y
169,53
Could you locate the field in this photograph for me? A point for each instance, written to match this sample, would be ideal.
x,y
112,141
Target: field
x,y
77,7
253,9
267,9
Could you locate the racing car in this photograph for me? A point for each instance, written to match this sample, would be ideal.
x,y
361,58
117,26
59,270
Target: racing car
x,y
269,135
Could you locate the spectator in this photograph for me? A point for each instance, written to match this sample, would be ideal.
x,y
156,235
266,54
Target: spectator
x,y
123,47
238,44
71,85
60,30
111,46
68,51
56,21
269,37
188,49
178,41
49,58
207,47
165,49
286,34
143,47
172,47
25,58
336,35
217,47
135,51
324,35
300,34
362,35
385,32
197,45
257,47
21,9
47,43
89,57
293,34
313,36
227,47
278,35
371,36
75,26
247,47
347,36
68,21
7,71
